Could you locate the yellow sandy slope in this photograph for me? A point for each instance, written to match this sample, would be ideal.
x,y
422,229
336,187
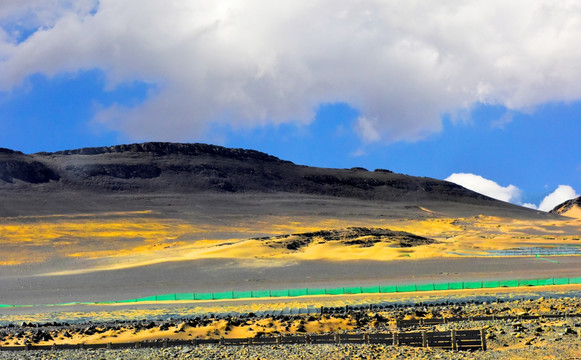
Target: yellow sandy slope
x,y
120,240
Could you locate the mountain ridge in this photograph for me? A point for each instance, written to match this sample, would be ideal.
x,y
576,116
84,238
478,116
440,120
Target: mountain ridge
x,y
224,169
154,168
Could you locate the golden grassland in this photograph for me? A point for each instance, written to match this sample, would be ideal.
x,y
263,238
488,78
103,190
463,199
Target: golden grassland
x,y
138,238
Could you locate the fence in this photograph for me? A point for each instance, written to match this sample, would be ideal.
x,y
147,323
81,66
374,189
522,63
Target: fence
x,y
452,340
385,289
403,323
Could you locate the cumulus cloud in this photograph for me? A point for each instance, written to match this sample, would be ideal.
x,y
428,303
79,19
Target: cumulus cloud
x,y
248,63
560,195
511,193
486,187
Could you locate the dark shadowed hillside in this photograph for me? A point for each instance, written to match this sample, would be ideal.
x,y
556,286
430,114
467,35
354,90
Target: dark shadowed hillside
x,y
185,169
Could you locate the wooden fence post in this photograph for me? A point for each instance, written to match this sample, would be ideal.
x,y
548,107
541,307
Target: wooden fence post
x,y
366,338
424,339
483,338
454,345
395,339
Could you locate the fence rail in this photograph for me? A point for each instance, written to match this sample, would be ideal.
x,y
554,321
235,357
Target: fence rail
x,y
405,323
454,340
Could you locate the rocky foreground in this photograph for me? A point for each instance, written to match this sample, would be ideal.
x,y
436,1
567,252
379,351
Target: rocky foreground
x,y
540,338
558,350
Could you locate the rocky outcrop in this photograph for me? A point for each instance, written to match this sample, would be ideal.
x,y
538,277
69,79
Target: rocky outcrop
x,y
15,165
169,149
567,206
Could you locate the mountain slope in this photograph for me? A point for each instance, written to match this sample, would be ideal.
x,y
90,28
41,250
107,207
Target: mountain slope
x,y
198,168
570,208
186,169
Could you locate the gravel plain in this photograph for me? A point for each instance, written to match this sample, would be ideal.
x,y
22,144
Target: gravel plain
x,y
564,350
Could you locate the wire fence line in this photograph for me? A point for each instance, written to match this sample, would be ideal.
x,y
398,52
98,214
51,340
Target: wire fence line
x,y
472,339
404,323
379,289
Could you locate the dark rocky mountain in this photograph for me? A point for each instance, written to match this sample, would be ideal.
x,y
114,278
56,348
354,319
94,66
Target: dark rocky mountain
x,y
91,179
567,206
187,168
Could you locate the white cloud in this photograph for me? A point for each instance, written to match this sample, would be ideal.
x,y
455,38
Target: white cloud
x,y
530,206
560,195
511,193
486,187
247,63
366,129
358,153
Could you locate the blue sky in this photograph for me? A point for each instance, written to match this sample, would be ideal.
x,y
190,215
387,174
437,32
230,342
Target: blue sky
x,y
425,90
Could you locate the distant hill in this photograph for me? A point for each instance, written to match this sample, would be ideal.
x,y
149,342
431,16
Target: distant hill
x,y
571,208
147,169
189,168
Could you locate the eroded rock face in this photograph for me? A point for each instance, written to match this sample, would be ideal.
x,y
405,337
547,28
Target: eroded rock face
x,y
567,206
16,165
166,149
120,171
